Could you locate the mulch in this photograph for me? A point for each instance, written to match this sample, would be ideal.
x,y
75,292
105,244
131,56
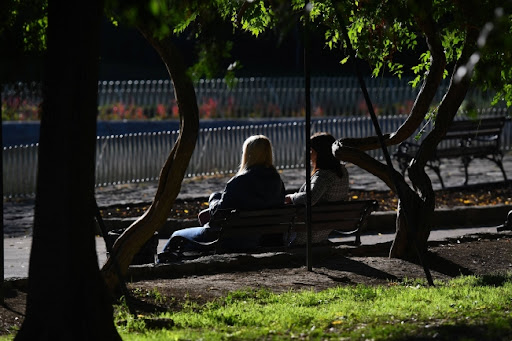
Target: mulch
x,y
476,195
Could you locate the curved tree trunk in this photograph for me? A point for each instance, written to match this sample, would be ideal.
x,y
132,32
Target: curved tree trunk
x,y
173,171
421,223
416,204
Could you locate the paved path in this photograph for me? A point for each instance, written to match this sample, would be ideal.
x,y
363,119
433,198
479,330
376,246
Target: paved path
x,y
18,215
17,250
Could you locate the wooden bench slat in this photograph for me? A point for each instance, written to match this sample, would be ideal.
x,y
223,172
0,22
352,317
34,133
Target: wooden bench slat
x,y
470,135
257,221
269,224
347,225
328,216
484,123
466,139
284,210
346,206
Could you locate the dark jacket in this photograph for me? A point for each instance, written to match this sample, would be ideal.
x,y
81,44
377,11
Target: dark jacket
x,y
259,187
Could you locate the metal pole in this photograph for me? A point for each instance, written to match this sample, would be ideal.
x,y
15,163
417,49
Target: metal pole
x,y
307,88
2,260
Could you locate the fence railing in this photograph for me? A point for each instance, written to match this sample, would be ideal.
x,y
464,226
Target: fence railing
x,y
139,157
246,97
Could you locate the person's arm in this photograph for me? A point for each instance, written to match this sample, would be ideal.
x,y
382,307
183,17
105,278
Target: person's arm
x,y
319,185
213,200
229,196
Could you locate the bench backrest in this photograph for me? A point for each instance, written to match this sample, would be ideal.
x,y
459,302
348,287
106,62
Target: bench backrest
x,y
475,128
342,216
476,138
265,220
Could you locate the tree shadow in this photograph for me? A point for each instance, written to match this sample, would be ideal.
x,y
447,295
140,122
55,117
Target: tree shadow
x,y
445,266
346,264
7,307
484,331
136,304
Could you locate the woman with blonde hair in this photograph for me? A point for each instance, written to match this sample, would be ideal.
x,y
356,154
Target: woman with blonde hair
x,y
256,185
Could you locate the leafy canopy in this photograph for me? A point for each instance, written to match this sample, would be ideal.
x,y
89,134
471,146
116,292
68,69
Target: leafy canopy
x,y
386,34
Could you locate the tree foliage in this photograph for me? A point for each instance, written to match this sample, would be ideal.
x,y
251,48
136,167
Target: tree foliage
x,y
23,26
387,34
203,23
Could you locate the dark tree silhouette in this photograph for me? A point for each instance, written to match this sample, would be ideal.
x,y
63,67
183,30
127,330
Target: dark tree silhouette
x,y
67,297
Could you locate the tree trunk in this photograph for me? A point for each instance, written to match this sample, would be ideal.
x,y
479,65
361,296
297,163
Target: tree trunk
x,y
416,204
172,173
421,215
67,297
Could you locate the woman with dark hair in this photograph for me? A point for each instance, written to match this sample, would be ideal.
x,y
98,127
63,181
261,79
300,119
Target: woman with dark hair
x,y
329,182
329,177
257,185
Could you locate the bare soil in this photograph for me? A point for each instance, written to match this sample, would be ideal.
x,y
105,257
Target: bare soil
x,y
473,255
477,254
475,195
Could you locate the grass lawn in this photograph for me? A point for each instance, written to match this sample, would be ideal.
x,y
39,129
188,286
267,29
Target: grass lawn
x,y
466,308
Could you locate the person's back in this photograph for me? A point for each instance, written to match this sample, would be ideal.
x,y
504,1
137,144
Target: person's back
x,y
329,182
256,185
326,185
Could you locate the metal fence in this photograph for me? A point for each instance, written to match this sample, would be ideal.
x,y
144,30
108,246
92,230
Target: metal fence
x,y
246,97
139,157
276,97
261,96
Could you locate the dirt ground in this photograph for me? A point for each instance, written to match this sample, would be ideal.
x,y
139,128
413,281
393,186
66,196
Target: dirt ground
x,y
477,254
475,195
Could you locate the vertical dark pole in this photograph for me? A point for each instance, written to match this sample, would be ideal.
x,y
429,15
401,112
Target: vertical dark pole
x,y
307,86
2,274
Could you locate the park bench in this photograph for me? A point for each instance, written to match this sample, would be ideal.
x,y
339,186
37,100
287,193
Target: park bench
x,y
465,139
270,227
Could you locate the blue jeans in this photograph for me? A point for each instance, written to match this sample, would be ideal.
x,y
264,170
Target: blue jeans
x,y
201,234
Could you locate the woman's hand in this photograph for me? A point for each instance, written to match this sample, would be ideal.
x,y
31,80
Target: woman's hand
x,y
288,199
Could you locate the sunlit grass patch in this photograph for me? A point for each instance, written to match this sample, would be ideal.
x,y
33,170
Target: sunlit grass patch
x,y
474,308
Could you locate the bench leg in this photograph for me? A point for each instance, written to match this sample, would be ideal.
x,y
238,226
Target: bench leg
x,y
497,159
465,161
503,171
357,242
434,165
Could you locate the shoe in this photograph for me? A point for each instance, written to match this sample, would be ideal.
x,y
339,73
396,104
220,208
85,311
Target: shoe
x,y
167,257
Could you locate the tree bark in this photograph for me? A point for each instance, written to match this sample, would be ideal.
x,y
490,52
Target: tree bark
x,y
67,297
420,222
416,204
173,171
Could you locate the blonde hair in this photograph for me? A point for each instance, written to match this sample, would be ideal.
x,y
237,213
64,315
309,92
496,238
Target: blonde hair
x,y
257,150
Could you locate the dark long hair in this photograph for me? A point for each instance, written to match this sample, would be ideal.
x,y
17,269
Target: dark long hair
x,y
322,144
